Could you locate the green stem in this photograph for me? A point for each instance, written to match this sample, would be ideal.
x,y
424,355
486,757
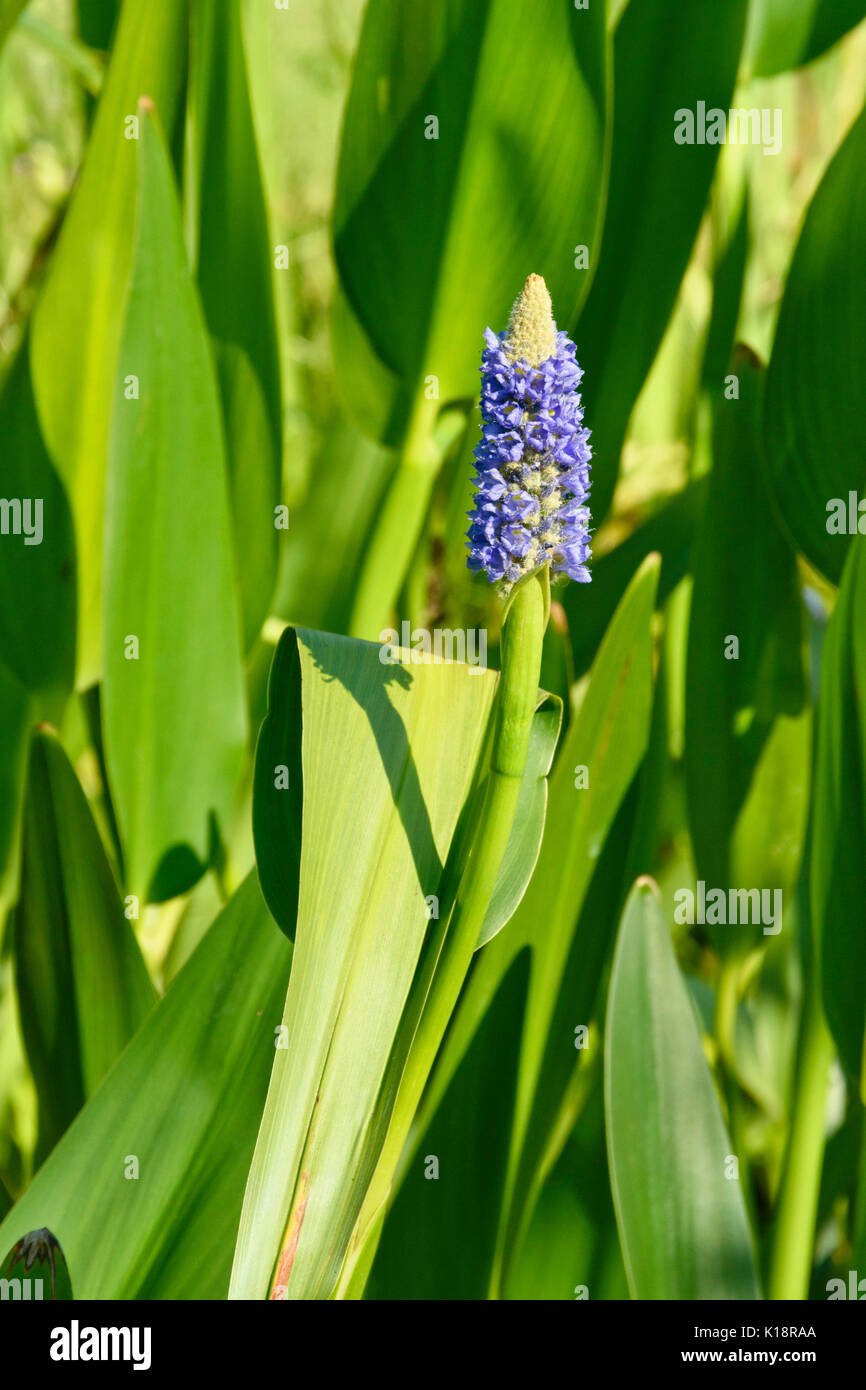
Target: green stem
x,y
794,1234
727,1004
395,537
438,989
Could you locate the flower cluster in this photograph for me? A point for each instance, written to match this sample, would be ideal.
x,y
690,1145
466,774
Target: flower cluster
x,y
532,463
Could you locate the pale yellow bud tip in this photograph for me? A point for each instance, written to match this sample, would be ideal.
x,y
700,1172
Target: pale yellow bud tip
x,y
531,329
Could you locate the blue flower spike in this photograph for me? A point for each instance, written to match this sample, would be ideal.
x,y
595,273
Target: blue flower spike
x,y
533,461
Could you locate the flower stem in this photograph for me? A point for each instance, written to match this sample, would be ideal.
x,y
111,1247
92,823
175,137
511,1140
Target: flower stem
x,y
794,1235
436,991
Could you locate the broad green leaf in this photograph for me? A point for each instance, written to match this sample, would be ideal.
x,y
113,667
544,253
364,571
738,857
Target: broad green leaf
x,y
82,984
381,803
778,34
770,830
745,657
812,404
681,1217
174,703
667,58
435,229
607,739
37,570
278,799
35,1269
233,259
78,319
838,861
783,34
183,1102
455,170
233,253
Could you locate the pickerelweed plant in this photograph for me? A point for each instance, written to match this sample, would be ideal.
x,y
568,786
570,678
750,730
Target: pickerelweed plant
x,y
530,520
311,1224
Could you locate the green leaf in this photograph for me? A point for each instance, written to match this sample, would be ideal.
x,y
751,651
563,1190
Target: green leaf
x,y
174,713
833,19
380,807
435,236
669,57
813,400
682,1220
254,484
96,21
746,592
278,788
778,34
436,226
838,862
233,256
184,1102
37,573
36,1263
78,319
783,34
82,984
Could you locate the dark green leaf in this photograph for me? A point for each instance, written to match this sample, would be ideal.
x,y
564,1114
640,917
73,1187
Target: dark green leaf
x,y
817,374
37,574
838,865
79,316
184,1102
234,262
174,711
680,1211
667,57
82,984
744,669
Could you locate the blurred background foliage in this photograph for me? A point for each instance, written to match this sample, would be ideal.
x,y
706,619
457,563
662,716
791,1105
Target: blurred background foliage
x,y
688,256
